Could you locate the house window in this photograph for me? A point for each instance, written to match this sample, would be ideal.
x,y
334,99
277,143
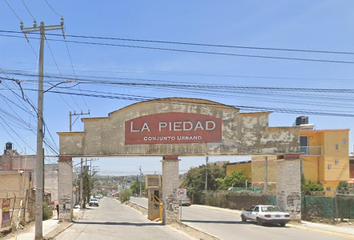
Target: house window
x,y
304,145
329,166
328,189
336,162
336,146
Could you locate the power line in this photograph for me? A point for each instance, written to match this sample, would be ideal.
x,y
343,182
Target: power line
x,y
13,11
72,66
211,52
201,44
53,9
51,52
28,10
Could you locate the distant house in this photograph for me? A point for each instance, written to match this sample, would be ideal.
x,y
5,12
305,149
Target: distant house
x,y
325,159
11,160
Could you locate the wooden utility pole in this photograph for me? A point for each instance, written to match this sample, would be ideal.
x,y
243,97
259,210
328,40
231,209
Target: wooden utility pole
x,y
140,181
40,156
81,172
76,114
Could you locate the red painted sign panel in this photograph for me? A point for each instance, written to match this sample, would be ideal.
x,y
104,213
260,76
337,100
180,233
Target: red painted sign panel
x,y
167,128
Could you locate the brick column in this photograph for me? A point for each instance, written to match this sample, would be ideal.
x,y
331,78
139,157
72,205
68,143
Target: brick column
x,y
170,180
65,189
289,185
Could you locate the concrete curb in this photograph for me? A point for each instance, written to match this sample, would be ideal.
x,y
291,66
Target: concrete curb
x,y
62,227
138,207
58,230
191,231
194,232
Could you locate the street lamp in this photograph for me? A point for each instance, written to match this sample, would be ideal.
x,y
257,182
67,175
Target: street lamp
x,y
55,85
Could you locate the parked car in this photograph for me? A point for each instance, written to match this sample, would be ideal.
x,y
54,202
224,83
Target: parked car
x,y
266,214
93,202
185,201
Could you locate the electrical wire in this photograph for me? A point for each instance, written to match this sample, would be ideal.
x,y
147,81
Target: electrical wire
x,y
212,53
13,11
209,52
28,10
55,62
72,66
198,44
53,9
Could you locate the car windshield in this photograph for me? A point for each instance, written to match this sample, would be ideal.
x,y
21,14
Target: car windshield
x,y
93,199
270,209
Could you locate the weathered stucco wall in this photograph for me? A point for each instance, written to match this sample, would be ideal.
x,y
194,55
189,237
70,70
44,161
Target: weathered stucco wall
x,y
242,133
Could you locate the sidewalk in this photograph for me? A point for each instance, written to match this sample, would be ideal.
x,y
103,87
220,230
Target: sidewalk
x,y
341,228
51,228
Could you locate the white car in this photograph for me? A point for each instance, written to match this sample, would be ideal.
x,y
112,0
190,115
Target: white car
x,y
93,202
266,214
185,201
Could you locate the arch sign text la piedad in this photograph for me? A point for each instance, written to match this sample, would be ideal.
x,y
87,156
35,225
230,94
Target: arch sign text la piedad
x,y
173,127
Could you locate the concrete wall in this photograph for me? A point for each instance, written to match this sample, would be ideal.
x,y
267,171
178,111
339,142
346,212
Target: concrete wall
x,y
65,189
289,187
258,172
51,180
242,133
170,177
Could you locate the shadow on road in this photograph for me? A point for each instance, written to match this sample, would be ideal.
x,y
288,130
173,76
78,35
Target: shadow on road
x,y
119,224
208,221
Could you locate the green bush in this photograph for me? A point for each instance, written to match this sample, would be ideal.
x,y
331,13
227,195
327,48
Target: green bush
x,y
125,195
47,212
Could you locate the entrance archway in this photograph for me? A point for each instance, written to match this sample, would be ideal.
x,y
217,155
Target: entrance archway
x,y
180,127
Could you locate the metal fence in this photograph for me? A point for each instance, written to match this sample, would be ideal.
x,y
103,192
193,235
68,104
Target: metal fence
x,y
313,208
10,208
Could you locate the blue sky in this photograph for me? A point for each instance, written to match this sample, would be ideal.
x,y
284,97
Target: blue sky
x,y
294,24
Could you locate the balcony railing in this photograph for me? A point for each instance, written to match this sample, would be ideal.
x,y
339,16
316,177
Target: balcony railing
x,y
311,150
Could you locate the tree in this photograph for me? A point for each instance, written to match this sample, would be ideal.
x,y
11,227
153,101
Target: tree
x,y
237,179
342,187
194,181
88,184
135,187
310,187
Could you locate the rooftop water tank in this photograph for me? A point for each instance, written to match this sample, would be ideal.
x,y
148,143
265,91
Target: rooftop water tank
x,y
302,120
9,146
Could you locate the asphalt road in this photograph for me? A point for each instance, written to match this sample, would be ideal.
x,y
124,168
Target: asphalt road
x,y
227,225
113,220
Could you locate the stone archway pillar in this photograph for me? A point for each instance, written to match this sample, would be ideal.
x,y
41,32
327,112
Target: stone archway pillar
x,y
65,189
170,183
289,185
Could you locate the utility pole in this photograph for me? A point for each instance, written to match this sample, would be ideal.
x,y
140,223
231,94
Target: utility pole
x,y
81,186
76,114
206,172
140,181
39,161
81,172
265,174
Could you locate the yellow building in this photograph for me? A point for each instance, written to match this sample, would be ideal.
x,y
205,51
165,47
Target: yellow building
x,y
244,166
325,155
